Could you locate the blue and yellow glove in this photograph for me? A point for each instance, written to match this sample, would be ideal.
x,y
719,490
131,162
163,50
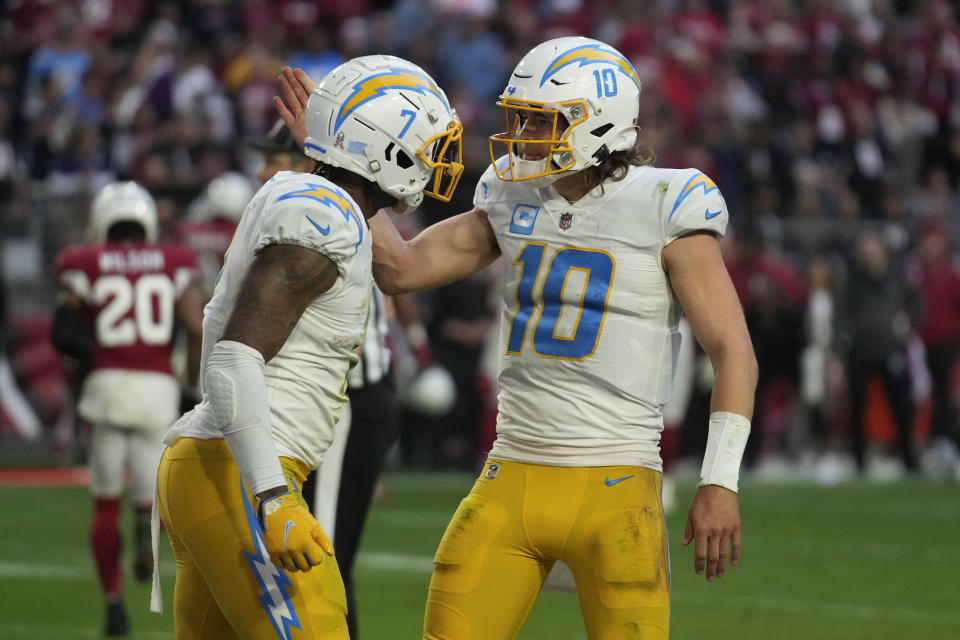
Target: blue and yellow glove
x,y
294,539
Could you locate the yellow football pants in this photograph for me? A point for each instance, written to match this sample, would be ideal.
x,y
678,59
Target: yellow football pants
x,y
606,523
226,586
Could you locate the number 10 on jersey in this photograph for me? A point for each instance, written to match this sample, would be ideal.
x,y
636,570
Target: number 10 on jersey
x,y
581,342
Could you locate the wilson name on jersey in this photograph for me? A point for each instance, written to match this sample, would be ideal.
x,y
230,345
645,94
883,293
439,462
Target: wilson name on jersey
x,y
589,329
307,379
129,292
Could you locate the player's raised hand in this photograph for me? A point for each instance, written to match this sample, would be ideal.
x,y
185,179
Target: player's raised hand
x,y
295,88
294,539
713,523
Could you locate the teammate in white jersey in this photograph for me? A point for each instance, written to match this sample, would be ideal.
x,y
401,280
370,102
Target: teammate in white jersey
x,y
605,253
289,308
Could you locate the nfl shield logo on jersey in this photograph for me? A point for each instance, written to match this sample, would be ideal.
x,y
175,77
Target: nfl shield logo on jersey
x,y
566,219
492,469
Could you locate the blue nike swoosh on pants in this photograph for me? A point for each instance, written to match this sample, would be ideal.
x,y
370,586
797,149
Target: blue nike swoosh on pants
x,y
610,482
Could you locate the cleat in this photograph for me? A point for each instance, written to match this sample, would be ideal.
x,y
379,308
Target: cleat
x,y
117,623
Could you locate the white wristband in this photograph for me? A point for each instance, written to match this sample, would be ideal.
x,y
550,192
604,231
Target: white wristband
x,y
725,444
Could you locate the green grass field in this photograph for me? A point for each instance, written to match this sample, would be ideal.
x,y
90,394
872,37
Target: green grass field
x,y
846,562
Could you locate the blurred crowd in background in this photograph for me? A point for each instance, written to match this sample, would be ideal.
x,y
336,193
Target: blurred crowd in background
x,y
831,127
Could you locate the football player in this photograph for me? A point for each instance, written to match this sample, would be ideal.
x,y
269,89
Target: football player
x,y
340,491
209,235
288,310
605,252
121,297
280,152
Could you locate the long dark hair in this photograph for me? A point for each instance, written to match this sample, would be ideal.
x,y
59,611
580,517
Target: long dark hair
x,y
615,166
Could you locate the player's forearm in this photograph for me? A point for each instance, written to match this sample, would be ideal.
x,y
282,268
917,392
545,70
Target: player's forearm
x,y
443,253
731,410
392,259
235,387
735,373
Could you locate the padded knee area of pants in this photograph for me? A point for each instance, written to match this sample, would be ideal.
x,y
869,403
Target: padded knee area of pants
x,y
462,552
628,551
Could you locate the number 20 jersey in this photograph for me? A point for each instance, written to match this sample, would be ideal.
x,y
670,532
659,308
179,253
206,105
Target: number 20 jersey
x,y
129,292
589,335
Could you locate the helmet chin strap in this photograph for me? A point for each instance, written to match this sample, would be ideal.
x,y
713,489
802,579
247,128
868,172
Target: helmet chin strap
x,y
413,201
524,168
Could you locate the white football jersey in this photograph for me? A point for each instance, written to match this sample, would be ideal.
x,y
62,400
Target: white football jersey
x,y
589,333
306,380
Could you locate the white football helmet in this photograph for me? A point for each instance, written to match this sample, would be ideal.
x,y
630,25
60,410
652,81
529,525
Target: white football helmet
x,y
590,92
122,202
433,392
228,195
387,120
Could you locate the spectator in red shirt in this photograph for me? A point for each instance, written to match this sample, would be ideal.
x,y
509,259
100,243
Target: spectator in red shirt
x,y
940,329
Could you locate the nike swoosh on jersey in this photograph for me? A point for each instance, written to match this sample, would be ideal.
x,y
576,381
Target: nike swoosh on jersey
x,y
290,524
324,230
610,482
709,215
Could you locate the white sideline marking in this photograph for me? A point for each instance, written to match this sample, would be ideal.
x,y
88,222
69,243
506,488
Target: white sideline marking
x,y
44,571
406,563
386,561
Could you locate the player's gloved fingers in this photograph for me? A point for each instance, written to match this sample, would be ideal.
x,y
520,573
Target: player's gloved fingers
x,y
321,539
299,562
277,560
315,555
312,560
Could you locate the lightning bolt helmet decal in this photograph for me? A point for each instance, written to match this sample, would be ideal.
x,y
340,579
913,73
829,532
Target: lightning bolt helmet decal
x,y
590,54
586,95
378,84
386,120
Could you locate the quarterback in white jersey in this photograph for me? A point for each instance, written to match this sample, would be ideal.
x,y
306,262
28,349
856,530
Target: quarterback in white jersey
x,y
604,252
290,307
589,323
